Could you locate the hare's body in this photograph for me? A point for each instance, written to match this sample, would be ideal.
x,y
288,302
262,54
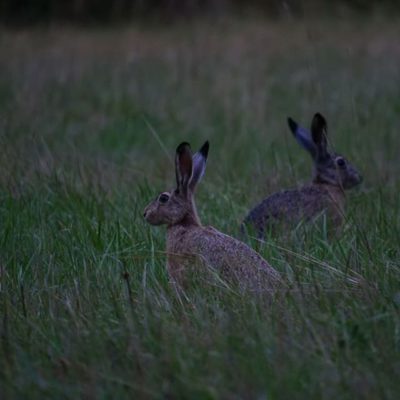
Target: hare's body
x,y
228,256
333,174
290,207
191,244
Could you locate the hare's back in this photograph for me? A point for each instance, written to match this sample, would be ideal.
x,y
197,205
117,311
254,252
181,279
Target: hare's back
x,y
232,256
289,206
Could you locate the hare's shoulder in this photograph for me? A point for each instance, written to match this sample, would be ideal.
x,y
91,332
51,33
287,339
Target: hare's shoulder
x,y
182,237
212,244
193,239
315,189
286,200
322,195
209,238
276,204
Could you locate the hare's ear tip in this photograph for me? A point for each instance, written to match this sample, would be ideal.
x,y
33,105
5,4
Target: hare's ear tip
x,y
319,119
182,147
319,115
204,149
292,124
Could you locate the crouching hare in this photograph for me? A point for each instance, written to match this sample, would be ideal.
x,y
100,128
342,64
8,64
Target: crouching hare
x,y
333,174
189,243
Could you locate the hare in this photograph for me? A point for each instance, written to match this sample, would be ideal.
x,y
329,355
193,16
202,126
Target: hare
x,y
188,242
333,174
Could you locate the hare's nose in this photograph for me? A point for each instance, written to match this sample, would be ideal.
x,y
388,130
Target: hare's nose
x,y
144,214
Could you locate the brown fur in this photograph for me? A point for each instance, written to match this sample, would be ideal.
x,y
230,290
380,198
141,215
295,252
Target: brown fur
x,y
326,193
189,243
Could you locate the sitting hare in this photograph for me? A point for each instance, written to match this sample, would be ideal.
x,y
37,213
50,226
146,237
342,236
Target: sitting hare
x,y
333,174
189,242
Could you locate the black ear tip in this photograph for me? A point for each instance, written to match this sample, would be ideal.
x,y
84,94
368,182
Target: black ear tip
x,y
292,125
182,147
204,149
320,117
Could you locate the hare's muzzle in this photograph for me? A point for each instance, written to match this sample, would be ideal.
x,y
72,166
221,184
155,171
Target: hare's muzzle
x,y
355,180
151,216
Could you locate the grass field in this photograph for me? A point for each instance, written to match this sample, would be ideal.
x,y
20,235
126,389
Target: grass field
x,y
89,122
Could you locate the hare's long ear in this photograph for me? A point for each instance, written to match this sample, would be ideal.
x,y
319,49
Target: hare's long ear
x,y
303,137
319,129
199,165
183,166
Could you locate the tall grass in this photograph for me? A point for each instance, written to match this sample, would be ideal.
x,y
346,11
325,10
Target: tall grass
x,y
89,121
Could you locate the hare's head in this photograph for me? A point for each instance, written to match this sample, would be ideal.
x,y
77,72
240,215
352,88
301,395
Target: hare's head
x,y
177,206
329,167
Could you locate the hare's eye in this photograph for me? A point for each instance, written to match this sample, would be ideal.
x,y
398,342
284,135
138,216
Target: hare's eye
x,y
340,162
163,198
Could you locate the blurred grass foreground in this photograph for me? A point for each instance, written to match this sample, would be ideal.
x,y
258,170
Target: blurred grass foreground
x,y
89,120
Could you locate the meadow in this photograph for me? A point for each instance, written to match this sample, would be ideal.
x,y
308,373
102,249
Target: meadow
x,y
89,122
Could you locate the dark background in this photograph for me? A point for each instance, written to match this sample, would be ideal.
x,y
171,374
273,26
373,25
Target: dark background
x,y
17,12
